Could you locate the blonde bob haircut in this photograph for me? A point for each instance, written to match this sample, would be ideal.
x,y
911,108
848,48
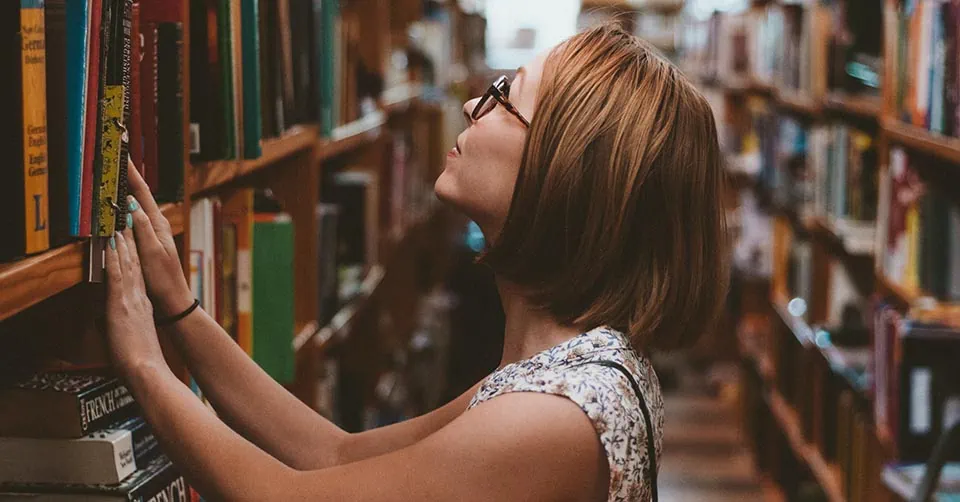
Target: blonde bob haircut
x,y
617,215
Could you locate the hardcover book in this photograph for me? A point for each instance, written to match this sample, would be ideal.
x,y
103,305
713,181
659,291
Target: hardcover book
x,y
63,405
156,481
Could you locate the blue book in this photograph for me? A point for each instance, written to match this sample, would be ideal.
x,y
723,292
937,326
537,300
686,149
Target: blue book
x,y
78,46
937,60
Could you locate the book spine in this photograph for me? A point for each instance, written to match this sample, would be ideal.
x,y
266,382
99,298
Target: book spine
x,y
328,68
167,485
34,74
135,127
92,98
78,45
145,445
58,176
225,46
170,110
273,294
104,457
105,405
110,154
250,34
238,214
106,31
126,35
148,105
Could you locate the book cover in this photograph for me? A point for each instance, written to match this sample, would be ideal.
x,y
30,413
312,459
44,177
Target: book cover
x,y
170,110
148,105
954,239
79,28
24,201
328,288
156,481
269,69
216,241
135,127
95,101
328,65
59,174
252,122
238,216
63,405
287,78
206,113
225,47
236,75
110,154
107,456
273,295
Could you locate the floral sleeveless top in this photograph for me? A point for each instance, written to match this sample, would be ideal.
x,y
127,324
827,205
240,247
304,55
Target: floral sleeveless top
x,y
603,393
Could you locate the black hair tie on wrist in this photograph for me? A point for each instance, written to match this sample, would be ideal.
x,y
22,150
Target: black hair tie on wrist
x,y
166,321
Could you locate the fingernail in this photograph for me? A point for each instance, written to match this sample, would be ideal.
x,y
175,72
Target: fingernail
x,y
129,220
113,243
132,203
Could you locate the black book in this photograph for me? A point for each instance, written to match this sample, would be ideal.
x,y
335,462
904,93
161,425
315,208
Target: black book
x,y
63,405
206,92
124,50
106,25
56,27
170,111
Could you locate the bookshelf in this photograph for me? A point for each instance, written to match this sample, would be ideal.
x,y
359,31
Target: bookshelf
x,y
807,371
30,281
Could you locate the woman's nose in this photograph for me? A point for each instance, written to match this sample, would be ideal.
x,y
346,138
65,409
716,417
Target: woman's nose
x,y
468,110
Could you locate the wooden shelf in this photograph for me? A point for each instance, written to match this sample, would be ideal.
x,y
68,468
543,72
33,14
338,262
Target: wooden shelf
x,y
398,99
860,106
351,136
800,329
905,296
28,282
798,103
744,84
924,141
336,330
209,175
807,453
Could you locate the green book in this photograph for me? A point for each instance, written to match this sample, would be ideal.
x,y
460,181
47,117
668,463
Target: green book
x,y
273,295
329,13
250,45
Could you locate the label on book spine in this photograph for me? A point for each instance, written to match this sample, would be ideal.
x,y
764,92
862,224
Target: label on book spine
x,y
34,71
101,409
109,179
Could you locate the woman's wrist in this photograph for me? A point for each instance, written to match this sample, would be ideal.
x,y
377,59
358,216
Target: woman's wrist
x,y
177,304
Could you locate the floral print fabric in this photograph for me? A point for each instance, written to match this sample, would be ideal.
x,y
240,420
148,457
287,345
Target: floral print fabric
x,y
603,393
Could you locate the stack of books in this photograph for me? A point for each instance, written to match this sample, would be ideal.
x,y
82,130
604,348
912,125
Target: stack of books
x,y
72,436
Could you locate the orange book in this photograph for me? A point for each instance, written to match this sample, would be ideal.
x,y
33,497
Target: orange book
x,y
33,72
238,216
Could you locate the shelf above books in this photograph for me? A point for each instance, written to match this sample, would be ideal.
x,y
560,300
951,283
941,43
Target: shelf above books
x,y
921,140
807,453
799,103
209,175
28,282
851,104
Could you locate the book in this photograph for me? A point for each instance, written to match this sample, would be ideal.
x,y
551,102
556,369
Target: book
x,y
273,295
125,60
55,26
63,405
91,118
250,41
156,481
328,290
24,121
238,217
904,480
202,246
148,105
170,111
101,190
207,140
106,457
135,126
79,26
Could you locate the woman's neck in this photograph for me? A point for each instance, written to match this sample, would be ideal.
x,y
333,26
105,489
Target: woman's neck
x,y
528,330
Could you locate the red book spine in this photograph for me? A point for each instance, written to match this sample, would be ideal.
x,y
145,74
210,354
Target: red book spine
x,y
148,106
136,124
90,133
218,260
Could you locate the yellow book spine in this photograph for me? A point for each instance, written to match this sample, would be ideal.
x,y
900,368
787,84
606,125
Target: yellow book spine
x,y
112,110
34,71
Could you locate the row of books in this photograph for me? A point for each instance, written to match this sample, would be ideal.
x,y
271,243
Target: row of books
x,y
927,83
920,245
76,436
82,98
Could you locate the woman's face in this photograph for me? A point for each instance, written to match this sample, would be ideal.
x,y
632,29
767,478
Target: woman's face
x,y
481,169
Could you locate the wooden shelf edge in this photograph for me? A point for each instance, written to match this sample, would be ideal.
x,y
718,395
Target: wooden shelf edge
x,y
905,296
207,176
798,103
351,136
27,282
861,106
800,329
787,419
916,138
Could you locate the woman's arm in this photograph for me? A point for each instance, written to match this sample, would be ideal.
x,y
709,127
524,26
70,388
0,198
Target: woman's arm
x,y
242,393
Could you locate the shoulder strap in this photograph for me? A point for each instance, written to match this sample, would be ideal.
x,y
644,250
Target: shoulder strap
x,y
651,441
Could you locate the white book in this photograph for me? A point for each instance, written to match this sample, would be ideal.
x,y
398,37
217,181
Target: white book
x,y
104,457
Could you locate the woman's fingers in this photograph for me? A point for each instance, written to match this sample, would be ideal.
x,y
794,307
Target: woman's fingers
x,y
124,254
114,271
132,251
141,192
143,231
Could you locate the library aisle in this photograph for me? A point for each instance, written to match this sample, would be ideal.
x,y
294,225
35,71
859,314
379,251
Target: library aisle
x,y
705,457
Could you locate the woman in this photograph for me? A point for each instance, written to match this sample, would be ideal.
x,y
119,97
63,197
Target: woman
x,y
596,175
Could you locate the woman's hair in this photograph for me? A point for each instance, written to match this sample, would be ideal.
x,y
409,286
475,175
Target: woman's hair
x,y
617,216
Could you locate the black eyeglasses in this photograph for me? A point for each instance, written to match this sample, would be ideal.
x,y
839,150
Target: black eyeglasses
x,y
500,92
